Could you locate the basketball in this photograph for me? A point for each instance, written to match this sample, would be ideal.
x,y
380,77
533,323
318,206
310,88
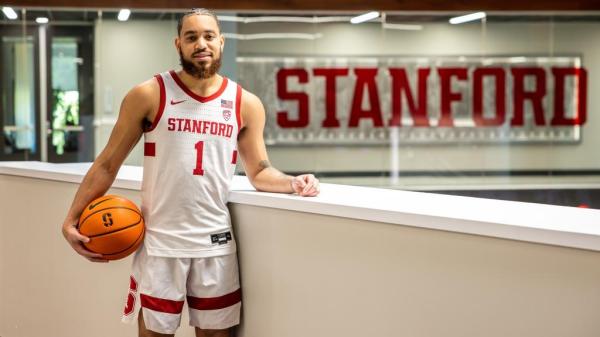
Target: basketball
x,y
114,225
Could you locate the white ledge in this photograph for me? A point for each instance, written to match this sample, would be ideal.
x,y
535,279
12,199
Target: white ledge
x,y
537,223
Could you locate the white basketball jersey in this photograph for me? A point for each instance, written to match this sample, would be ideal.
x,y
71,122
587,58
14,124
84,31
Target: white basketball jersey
x,y
190,153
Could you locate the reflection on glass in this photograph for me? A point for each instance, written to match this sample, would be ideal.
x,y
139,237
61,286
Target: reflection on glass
x,y
18,91
65,92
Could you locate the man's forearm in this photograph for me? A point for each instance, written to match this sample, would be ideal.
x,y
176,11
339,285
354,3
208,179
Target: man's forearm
x,y
270,179
95,183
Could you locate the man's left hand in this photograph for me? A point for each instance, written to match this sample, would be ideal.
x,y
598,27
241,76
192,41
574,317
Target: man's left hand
x,y
306,185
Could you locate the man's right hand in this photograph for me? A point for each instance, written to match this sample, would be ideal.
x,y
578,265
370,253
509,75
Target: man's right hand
x,y
76,240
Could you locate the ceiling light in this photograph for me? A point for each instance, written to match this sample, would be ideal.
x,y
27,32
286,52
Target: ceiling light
x,y
364,17
467,18
41,20
10,13
124,14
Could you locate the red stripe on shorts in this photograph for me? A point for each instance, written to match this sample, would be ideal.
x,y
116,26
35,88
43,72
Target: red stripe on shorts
x,y
214,303
132,283
161,305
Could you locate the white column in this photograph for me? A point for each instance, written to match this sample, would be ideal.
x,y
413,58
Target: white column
x,y
43,94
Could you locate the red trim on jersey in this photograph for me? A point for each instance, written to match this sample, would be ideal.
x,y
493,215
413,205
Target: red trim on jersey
x,y
161,106
214,303
234,159
161,304
149,149
195,96
238,106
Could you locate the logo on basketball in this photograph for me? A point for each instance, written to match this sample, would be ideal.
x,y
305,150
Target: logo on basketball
x,y
226,114
107,219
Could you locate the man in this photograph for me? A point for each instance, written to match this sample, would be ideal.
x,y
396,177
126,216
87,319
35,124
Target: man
x,y
194,123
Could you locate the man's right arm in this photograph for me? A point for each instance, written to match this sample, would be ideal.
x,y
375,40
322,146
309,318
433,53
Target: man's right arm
x,y
139,104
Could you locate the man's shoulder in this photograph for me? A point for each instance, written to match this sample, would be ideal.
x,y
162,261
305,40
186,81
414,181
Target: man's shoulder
x,y
146,90
145,96
248,98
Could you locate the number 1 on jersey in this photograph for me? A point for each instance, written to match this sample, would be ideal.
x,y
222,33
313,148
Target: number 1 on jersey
x,y
198,171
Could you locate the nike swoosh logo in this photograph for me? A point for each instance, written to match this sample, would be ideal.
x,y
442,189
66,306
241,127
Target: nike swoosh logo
x,y
177,102
98,203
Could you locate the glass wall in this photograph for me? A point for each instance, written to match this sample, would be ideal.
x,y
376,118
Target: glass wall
x,y
19,119
500,107
65,93
47,87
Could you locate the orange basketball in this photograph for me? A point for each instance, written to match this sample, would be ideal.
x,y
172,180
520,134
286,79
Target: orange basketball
x,y
114,225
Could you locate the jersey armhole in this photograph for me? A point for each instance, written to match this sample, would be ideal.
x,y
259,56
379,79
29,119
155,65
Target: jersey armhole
x,y
238,106
161,106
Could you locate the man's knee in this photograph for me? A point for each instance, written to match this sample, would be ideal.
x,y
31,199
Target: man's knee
x,y
143,332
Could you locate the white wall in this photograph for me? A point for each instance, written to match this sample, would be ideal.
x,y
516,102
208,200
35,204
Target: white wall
x,y
144,48
126,54
307,274
45,287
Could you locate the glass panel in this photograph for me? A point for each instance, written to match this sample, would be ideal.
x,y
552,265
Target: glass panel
x,y
493,108
18,96
500,108
65,94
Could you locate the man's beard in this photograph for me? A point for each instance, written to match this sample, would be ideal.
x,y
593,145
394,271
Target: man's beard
x,y
200,72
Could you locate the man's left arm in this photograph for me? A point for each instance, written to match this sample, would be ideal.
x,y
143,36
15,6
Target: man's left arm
x,y
251,146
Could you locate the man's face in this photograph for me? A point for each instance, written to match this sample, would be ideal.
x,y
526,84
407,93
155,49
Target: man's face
x,y
200,46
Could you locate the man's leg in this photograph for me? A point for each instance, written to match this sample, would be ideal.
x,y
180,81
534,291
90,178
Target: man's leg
x,y
212,333
143,332
214,295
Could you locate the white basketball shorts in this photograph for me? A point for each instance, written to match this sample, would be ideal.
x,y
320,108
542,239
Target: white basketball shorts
x,y
160,285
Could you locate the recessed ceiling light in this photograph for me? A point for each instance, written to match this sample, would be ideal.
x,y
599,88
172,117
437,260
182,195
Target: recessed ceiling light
x,y
364,17
124,14
10,13
467,18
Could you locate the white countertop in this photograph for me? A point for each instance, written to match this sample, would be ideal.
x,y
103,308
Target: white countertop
x,y
545,224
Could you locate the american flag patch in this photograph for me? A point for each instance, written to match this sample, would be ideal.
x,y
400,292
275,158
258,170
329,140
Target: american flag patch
x,y
226,104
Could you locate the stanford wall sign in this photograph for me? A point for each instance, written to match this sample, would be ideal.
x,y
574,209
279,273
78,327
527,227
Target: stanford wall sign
x,y
420,99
